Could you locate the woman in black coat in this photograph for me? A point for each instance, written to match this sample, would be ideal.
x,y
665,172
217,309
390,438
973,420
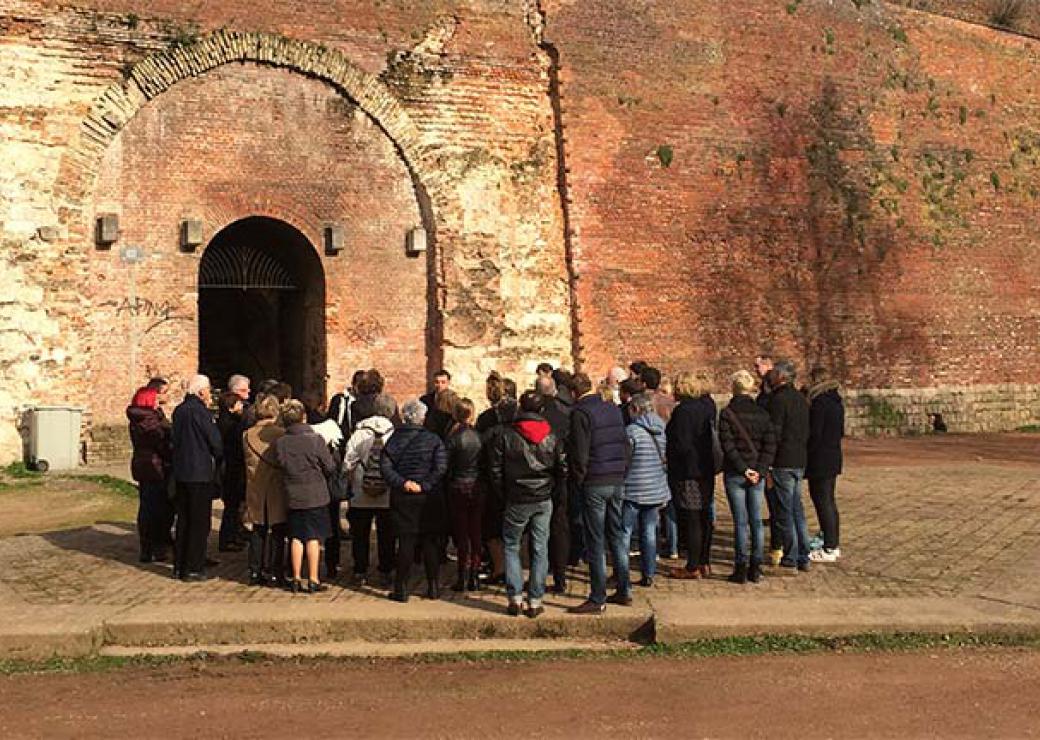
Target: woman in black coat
x,y
826,430
691,470
150,467
467,495
413,464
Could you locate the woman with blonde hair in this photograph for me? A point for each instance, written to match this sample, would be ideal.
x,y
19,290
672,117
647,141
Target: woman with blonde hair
x,y
266,509
748,444
691,469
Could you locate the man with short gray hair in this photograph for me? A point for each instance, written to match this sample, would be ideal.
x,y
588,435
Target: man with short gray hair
x,y
239,385
197,450
789,412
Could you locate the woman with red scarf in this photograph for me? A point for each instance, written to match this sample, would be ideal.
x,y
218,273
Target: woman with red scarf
x,y
150,467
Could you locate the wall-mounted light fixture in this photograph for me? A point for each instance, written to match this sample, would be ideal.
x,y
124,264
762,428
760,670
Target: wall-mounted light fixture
x,y
191,234
415,241
335,237
107,230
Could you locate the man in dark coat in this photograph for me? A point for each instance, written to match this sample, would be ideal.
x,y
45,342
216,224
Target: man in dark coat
x,y
527,465
789,412
558,414
598,454
341,406
826,430
197,450
413,464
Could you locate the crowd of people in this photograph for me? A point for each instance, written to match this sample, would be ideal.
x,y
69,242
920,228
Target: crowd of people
x,y
566,471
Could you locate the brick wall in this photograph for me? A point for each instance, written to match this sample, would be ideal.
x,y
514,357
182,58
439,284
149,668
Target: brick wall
x,y
851,183
853,187
188,156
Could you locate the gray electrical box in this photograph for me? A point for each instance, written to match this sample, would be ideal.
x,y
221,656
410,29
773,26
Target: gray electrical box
x,y
54,437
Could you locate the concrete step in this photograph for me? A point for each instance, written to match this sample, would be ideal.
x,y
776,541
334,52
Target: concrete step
x,y
368,649
368,621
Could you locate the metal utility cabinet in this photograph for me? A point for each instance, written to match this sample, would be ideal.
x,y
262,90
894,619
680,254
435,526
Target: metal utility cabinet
x,y
54,437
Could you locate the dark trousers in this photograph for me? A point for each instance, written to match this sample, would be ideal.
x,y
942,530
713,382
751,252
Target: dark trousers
x,y
406,547
697,525
267,549
154,518
821,491
232,494
467,517
361,536
559,534
776,535
194,503
576,519
332,543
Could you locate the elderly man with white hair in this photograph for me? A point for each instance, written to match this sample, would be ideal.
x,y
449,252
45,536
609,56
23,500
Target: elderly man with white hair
x,y
197,450
413,464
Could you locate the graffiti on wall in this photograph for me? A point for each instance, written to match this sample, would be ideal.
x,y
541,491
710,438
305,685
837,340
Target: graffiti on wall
x,y
161,312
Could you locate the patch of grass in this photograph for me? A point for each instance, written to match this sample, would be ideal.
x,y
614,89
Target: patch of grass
x,y
19,471
883,416
109,483
1030,428
698,649
665,154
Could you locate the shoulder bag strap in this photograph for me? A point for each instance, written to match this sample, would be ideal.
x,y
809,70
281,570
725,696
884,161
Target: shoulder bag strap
x,y
735,420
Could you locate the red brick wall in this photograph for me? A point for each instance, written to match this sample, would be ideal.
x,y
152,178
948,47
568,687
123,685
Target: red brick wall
x,y
853,187
218,148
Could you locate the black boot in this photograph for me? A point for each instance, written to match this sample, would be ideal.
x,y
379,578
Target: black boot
x,y
433,590
460,582
740,574
473,584
398,593
754,573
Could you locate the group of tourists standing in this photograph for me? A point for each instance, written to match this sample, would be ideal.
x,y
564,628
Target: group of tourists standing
x,y
568,470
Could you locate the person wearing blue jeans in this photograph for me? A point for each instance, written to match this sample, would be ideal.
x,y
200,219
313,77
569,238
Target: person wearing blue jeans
x,y
647,518
598,450
671,531
518,516
604,530
793,526
745,504
646,484
527,464
789,414
748,441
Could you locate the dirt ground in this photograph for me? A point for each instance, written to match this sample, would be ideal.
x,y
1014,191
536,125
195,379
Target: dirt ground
x,y
1013,447
59,504
944,693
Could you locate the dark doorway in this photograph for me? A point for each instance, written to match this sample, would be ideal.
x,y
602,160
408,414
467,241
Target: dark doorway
x,y
262,306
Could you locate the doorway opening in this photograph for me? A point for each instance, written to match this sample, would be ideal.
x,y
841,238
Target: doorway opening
x,y
262,306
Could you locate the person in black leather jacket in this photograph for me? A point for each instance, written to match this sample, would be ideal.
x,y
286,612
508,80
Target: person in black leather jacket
x,y
466,496
527,464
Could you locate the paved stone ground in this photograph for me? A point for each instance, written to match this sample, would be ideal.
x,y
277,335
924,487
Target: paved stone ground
x,y
947,517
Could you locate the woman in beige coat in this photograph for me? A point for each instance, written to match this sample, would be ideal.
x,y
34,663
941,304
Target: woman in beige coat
x,y
266,506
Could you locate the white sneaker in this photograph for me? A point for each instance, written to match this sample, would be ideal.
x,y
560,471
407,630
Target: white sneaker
x,y
824,556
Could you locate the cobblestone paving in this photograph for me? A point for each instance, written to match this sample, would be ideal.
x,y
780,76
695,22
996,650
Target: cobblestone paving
x,y
919,518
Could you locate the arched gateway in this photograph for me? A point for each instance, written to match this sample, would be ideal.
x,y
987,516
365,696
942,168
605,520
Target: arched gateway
x,y
261,307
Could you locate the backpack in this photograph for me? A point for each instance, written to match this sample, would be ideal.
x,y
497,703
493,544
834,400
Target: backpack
x,y
372,483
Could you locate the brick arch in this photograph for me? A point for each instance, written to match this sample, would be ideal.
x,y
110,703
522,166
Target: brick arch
x,y
152,76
